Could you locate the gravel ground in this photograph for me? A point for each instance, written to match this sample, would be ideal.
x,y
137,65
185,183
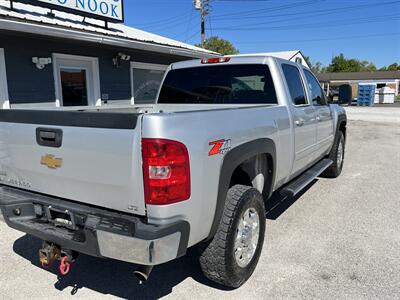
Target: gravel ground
x,y
339,240
380,113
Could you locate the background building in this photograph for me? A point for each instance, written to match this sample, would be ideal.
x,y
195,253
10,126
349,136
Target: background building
x,y
53,58
381,79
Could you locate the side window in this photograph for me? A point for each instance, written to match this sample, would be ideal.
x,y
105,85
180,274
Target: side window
x,y
317,95
294,82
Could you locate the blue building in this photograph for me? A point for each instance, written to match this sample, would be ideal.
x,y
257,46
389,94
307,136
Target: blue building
x,y
53,58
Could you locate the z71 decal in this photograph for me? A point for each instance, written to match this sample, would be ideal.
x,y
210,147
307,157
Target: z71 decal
x,y
220,147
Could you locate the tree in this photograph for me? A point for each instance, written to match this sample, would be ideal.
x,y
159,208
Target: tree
x,y
341,64
367,66
219,45
393,67
308,60
315,68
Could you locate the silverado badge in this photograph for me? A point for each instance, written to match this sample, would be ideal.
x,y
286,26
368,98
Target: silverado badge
x,y
51,162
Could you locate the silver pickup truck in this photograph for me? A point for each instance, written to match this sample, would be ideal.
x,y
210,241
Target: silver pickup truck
x,y
145,183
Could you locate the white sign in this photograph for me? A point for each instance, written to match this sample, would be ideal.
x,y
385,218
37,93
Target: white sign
x,y
108,9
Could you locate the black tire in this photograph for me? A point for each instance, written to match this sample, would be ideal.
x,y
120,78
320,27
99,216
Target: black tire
x,y
336,168
217,260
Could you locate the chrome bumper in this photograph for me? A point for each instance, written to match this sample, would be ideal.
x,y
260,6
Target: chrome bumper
x,y
139,251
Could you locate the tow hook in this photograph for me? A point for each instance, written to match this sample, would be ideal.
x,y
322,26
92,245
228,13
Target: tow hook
x,y
65,266
67,258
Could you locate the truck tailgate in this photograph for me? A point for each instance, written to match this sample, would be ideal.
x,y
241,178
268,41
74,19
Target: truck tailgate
x,y
88,157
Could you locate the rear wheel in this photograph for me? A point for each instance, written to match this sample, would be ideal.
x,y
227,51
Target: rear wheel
x,y
337,156
232,256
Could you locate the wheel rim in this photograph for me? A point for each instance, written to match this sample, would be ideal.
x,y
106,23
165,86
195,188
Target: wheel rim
x,y
247,237
340,154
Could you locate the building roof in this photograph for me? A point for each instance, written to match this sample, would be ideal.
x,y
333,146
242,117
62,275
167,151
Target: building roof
x,y
34,19
354,76
288,55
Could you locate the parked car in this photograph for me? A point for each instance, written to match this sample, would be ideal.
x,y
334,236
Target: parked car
x,y
143,184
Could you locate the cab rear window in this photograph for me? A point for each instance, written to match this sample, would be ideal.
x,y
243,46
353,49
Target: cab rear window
x,y
229,84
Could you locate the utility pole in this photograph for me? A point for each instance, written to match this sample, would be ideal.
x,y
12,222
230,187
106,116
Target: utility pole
x,y
204,7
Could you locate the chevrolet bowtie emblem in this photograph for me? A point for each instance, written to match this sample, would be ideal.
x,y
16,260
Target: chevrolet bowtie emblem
x,y
51,162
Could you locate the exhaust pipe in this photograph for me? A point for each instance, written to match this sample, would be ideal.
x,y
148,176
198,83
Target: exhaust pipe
x,y
143,273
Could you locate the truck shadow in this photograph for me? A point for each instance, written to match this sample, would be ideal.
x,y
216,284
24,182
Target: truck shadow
x,y
277,204
111,277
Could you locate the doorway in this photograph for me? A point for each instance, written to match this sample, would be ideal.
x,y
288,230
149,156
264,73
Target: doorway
x,y
145,82
77,80
4,101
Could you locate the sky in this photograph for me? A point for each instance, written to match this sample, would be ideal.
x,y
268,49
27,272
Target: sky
x,y
361,29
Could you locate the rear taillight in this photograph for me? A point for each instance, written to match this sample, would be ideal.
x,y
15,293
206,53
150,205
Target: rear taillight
x,y
215,60
166,171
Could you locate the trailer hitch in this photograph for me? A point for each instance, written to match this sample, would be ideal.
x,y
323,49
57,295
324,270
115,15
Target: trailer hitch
x,y
48,254
51,252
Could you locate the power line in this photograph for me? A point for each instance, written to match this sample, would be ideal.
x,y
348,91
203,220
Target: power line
x,y
188,26
164,21
273,8
175,24
306,14
243,0
210,25
382,18
192,36
321,39
312,14
204,7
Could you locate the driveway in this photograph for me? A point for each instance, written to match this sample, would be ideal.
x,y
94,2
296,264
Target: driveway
x,y
339,240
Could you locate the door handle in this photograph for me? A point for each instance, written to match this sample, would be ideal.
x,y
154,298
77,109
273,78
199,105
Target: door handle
x,y
319,118
49,137
299,123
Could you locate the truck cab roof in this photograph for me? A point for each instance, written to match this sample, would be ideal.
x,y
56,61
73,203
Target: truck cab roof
x,y
250,59
258,58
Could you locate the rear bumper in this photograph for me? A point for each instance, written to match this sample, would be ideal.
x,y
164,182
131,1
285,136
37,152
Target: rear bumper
x,y
93,231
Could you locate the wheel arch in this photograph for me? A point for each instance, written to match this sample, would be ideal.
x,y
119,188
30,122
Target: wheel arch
x,y
233,161
340,127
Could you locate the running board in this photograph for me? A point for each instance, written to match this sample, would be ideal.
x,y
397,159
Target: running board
x,y
298,184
